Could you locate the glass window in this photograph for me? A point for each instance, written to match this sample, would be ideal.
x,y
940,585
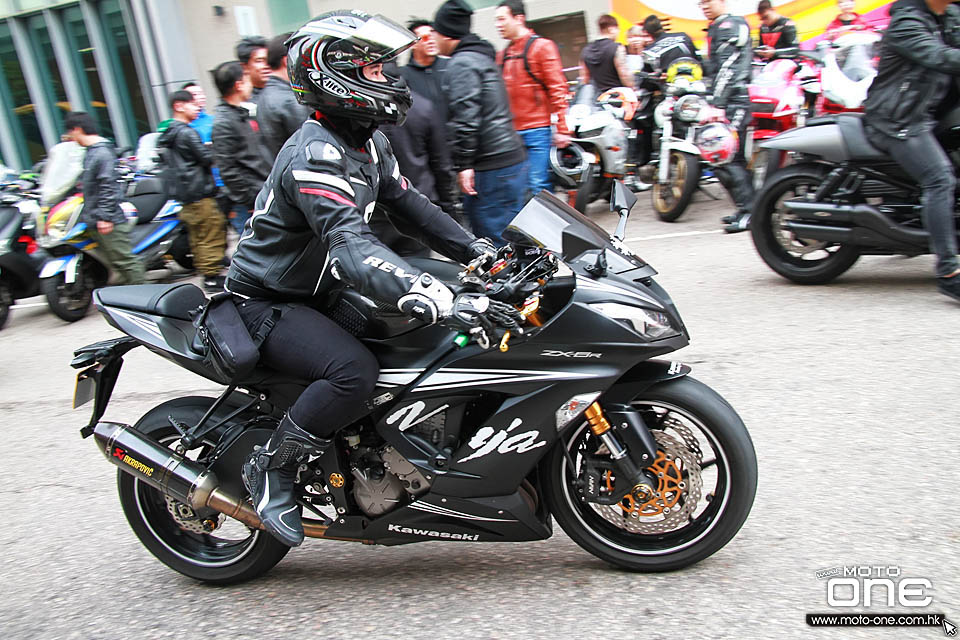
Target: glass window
x,y
85,69
16,99
47,65
289,15
118,43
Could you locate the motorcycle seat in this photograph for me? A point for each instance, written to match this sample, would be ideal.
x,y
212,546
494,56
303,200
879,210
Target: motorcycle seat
x,y
169,300
854,137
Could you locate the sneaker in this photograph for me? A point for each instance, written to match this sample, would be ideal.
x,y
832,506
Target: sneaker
x,y
950,287
635,184
740,223
213,284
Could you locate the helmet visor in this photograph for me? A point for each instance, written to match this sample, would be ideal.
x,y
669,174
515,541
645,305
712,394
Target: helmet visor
x,y
378,40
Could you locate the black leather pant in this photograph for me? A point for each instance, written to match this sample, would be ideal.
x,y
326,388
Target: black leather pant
x,y
734,176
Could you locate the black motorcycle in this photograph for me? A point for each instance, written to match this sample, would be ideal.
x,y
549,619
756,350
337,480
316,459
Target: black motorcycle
x,y
842,198
20,258
471,437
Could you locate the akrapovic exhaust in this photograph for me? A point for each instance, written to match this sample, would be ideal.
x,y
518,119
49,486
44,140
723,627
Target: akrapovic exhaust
x,y
167,471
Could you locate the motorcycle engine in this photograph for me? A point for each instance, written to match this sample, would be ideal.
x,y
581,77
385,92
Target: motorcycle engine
x,y
382,482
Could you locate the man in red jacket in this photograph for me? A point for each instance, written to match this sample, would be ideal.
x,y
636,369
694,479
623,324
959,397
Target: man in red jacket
x,y
537,88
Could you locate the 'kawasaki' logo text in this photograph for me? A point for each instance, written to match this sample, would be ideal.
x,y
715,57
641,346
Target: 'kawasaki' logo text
x,y
433,534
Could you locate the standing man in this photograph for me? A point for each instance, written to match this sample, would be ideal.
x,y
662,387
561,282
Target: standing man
x,y
196,190
603,62
729,59
919,61
278,112
106,222
777,32
203,124
424,71
667,47
537,88
252,54
487,153
238,146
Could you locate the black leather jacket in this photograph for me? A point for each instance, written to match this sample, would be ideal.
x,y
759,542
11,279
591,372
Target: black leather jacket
x,y
668,47
194,161
101,186
240,154
480,127
919,53
309,237
279,114
729,60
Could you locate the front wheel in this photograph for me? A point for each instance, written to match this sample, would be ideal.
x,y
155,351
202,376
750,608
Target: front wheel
x,y
802,260
671,199
174,533
70,301
707,471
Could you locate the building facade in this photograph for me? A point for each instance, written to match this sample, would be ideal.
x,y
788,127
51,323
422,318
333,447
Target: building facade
x,y
120,59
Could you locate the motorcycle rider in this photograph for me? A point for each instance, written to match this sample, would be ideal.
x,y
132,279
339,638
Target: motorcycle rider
x,y
920,51
777,33
729,58
308,238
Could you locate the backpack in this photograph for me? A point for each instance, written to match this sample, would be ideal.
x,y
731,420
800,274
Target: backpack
x,y
526,63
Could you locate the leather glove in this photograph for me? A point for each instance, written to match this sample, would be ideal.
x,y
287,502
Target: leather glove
x,y
428,299
482,247
472,310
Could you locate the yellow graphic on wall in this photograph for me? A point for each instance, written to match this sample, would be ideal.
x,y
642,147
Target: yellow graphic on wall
x,y
810,16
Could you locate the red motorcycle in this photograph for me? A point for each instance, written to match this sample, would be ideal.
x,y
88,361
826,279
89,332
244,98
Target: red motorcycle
x,y
782,96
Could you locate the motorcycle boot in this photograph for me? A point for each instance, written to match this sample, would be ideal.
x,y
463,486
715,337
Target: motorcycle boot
x,y
950,286
269,475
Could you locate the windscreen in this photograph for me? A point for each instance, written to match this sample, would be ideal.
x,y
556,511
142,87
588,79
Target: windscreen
x,y
61,172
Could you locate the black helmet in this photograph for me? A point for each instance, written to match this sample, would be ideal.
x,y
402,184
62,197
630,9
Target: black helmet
x,y
326,57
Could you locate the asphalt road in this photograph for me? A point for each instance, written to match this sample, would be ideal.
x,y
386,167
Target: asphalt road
x,y
849,391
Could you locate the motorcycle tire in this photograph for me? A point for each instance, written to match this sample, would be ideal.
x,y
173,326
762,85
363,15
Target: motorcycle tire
x,y
670,201
69,302
6,301
207,557
792,257
586,188
699,533
181,252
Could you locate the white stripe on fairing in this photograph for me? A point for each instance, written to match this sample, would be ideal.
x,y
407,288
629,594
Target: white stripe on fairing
x,y
323,178
442,511
453,378
147,325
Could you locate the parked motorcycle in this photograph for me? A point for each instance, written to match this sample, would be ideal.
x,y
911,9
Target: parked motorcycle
x,y
691,133
597,154
20,257
783,94
842,198
640,464
76,266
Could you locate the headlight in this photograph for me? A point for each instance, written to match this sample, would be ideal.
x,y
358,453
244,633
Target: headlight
x,y
689,108
651,324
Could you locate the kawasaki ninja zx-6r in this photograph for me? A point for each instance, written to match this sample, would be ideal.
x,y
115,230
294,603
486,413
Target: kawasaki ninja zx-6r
x,y
470,437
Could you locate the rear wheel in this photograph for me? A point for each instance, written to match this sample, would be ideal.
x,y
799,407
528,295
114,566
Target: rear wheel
x,y
671,199
6,301
801,260
707,471
175,534
70,301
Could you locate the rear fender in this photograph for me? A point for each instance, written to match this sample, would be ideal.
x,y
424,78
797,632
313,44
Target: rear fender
x,y
101,363
824,141
66,265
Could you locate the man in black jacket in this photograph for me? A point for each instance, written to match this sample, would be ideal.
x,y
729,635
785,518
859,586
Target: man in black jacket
x,y
278,112
728,66
487,152
195,189
424,71
920,55
238,147
778,34
106,222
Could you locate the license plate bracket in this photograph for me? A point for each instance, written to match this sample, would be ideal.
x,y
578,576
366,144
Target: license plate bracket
x,y
86,386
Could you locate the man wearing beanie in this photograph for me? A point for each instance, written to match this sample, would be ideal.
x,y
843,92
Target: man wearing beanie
x,y
487,153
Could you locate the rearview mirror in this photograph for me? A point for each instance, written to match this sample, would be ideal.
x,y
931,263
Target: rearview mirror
x,y
621,201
